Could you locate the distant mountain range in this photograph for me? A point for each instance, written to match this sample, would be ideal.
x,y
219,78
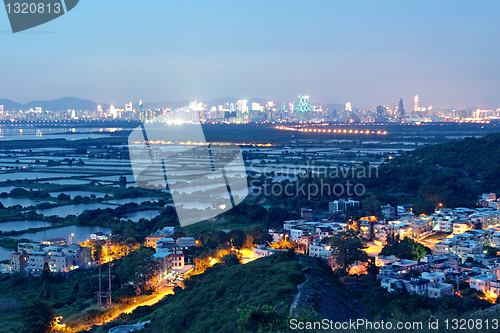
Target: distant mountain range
x,y
62,104
70,103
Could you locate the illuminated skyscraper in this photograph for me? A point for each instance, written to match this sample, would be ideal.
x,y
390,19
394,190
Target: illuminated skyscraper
x,y
140,106
416,103
380,111
348,107
113,111
128,107
304,105
256,107
242,108
401,108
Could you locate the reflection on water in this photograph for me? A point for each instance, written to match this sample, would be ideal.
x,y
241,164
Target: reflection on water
x,y
81,233
63,211
80,193
27,132
22,225
5,253
36,175
24,202
145,214
137,200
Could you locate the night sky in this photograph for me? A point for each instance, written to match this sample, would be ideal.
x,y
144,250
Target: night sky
x,y
364,52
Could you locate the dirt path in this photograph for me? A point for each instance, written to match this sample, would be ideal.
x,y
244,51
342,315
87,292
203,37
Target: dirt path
x,y
297,297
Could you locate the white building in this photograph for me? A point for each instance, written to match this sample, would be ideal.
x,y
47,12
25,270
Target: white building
x,y
98,236
37,259
316,247
482,282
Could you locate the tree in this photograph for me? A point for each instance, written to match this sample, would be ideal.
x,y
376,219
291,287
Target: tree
x,y
406,249
38,316
492,251
283,244
238,238
230,260
46,271
264,318
348,249
122,180
372,231
97,252
372,270
265,239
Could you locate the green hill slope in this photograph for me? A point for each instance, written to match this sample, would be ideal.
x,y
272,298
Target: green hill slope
x,y
223,299
452,173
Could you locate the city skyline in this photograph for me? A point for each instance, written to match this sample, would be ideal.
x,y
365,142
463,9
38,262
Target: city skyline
x,y
333,105
365,53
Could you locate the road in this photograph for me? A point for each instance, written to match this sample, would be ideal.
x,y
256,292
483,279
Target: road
x,y
373,249
429,243
162,293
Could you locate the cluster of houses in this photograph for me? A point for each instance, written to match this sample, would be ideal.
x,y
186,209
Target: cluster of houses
x,y
170,254
63,258
460,258
60,257
307,234
489,200
447,220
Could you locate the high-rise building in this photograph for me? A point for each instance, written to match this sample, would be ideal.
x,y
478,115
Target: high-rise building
x,y
256,107
401,108
141,108
113,111
128,107
242,109
348,106
380,111
416,103
1,108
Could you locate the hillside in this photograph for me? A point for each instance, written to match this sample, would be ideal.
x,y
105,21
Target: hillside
x,y
216,300
452,173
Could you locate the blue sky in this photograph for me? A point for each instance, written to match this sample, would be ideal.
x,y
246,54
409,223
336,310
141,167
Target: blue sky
x,y
364,52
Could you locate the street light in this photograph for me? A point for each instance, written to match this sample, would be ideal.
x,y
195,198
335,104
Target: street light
x,y
71,238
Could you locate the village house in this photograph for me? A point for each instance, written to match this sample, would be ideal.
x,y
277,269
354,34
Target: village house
x,y
159,234
437,290
482,282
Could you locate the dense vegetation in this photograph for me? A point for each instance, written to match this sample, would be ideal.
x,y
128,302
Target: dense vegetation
x,y
452,173
210,301
406,249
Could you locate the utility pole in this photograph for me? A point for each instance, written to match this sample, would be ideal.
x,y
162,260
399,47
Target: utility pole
x,y
108,298
99,293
